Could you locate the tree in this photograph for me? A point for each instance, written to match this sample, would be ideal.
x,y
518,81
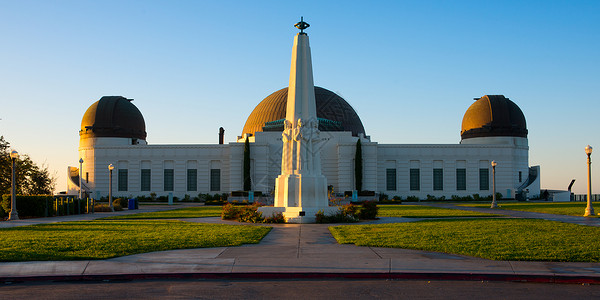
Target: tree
x,y
247,179
358,166
31,178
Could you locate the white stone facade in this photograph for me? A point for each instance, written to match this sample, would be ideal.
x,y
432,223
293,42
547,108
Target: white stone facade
x,y
337,156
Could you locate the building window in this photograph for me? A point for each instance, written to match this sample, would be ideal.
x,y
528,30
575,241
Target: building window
x,y
390,179
461,179
484,179
87,177
520,176
415,179
146,177
438,179
215,180
192,179
122,185
168,179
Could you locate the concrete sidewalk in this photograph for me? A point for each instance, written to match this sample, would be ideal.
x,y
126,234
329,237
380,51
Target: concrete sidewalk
x,y
300,251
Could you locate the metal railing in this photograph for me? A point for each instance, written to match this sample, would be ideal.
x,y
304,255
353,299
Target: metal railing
x,y
595,197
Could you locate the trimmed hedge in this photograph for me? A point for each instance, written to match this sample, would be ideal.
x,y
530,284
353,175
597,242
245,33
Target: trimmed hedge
x,y
43,206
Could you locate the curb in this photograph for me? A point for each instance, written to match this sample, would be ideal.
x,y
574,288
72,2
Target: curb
x,y
291,276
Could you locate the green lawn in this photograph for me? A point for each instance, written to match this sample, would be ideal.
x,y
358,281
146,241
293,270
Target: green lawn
x,y
180,213
105,239
497,239
421,211
558,208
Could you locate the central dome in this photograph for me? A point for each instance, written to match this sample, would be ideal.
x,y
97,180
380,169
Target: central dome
x,y
330,107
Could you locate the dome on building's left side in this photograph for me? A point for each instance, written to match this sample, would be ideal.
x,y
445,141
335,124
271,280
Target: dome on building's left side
x,y
113,116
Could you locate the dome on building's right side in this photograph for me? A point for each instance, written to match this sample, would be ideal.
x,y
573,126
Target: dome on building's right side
x,y
493,115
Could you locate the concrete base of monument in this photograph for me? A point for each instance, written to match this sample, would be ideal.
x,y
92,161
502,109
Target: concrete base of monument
x,y
297,215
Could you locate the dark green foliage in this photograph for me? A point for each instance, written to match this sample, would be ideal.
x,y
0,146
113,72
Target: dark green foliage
x,y
358,166
368,210
248,214
31,179
383,196
123,202
43,206
346,214
412,199
247,179
275,218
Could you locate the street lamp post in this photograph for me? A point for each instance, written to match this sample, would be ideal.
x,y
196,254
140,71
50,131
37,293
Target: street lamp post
x,y
80,175
494,204
589,210
110,169
14,215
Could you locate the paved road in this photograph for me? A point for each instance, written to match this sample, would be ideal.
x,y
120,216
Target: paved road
x,y
302,289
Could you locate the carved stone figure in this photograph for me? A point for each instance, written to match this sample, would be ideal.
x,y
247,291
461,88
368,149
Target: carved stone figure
x,y
286,137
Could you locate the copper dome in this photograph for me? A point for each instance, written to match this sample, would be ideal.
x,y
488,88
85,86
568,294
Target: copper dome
x,y
330,106
493,115
113,116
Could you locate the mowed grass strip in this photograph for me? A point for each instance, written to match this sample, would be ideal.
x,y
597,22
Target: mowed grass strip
x,y
421,211
180,213
105,239
497,239
557,208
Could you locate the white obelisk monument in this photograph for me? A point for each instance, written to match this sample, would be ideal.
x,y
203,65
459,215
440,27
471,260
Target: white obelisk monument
x,y
301,189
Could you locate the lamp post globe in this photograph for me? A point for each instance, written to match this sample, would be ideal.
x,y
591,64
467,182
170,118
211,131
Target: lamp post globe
x,y
110,169
13,190
589,210
494,204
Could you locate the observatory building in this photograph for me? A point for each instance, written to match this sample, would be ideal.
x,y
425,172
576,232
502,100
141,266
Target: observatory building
x,y
113,131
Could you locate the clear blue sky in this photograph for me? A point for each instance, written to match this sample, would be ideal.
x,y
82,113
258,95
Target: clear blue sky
x,y
410,69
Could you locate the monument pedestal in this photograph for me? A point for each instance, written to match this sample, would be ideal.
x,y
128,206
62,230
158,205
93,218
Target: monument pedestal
x,y
299,197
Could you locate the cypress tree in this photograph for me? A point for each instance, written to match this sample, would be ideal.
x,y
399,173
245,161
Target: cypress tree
x,y
247,179
358,166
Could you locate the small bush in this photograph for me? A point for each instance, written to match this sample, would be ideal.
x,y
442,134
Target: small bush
x,y
412,199
122,202
215,202
368,210
383,196
230,212
275,218
250,214
102,208
347,214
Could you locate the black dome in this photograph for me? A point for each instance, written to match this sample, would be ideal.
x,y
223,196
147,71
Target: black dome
x,y
113,116
330,107
493,115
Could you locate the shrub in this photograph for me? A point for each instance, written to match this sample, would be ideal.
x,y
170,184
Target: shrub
x,y
122,202
412,199
250,214
215,202
117,207
368,210
39,206
383,196
101,208
347,214
275,218
230,212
